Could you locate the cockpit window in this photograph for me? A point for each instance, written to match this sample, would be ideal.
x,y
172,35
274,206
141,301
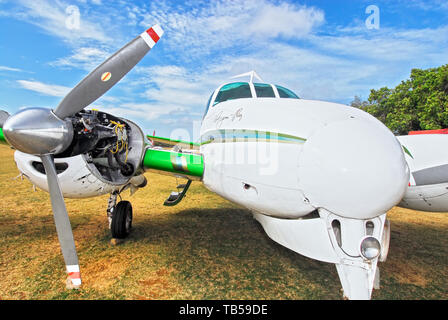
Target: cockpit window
x,y
208,105
264,90
286,93
237,90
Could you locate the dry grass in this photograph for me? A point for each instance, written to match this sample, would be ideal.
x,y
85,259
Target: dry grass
x,y
204,248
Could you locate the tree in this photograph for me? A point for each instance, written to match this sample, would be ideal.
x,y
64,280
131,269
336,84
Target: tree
x,y
358,103
418,103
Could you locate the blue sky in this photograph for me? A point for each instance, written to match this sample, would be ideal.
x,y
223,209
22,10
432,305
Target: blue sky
x,y
320,49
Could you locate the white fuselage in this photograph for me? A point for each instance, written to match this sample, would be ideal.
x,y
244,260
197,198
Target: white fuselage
x,y
318,176
287,157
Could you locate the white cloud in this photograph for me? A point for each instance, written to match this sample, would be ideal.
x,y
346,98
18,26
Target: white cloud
x,y
284,20
51,17
206,43
86,58
109,99
425,5
387,44
223,24
334,68
144,111
4,68
44,88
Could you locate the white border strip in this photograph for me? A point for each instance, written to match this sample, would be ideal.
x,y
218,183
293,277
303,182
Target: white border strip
x,y
149,41
145,36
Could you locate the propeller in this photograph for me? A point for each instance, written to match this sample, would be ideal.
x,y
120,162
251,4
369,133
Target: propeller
x,y
3,117
62,222
46,133
108,73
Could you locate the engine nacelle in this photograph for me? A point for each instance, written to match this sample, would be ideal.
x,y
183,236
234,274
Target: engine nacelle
x,y
74,173
106,154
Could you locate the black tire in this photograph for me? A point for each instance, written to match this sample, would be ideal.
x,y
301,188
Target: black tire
x,y
121,220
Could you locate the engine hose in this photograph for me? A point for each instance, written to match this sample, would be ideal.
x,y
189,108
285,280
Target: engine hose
x,y
111,162
126,168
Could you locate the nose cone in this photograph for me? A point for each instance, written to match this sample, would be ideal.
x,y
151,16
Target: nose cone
x,y
354,168
38,131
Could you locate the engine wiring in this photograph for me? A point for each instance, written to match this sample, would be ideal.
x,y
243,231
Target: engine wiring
x,y
122,140
106,141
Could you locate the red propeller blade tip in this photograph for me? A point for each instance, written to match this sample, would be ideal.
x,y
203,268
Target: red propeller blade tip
x,y
152,35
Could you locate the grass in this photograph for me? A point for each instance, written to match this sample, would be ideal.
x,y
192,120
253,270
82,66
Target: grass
x,y
204,248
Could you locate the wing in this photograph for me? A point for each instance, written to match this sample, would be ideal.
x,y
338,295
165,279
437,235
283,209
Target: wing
x,y
2,137
174,157
167,143
177,158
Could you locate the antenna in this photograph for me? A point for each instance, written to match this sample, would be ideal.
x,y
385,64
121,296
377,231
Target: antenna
x,y
252,74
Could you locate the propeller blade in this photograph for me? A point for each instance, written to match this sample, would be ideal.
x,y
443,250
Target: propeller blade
x,y
62,222
108,73
3,116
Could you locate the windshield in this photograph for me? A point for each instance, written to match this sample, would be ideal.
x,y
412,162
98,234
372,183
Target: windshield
x,y
208,105
286,93
240,90
264,90
237,90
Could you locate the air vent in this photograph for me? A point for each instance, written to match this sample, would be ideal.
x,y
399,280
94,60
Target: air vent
x,y
369,228
60,167
336,225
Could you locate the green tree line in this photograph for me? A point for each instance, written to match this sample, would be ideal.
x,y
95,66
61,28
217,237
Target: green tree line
x,y
418,103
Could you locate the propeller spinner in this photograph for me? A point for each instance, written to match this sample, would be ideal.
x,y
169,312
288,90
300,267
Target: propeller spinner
x,y
45,133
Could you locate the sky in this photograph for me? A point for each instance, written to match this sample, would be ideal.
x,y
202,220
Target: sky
x,y
324,50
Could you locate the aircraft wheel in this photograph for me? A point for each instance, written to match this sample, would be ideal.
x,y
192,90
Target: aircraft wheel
x,y
121,220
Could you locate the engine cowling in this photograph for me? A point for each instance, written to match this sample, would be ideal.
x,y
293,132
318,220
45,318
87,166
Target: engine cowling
x,y
104,154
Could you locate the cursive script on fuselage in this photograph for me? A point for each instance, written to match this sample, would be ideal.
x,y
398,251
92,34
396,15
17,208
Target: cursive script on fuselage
x,y
234,116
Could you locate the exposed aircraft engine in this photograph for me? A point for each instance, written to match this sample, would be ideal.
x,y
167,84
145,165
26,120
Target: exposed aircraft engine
x,y
104,155
113,145
104,147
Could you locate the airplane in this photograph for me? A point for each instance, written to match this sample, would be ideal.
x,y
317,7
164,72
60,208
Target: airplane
x,y
318,176
426,158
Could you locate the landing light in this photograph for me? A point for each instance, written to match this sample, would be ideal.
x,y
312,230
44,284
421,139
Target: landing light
x,y
370,248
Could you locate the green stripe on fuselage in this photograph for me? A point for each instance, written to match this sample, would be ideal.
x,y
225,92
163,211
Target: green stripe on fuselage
x,y
246,135
407,151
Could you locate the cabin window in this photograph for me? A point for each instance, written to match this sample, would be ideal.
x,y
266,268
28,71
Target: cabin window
x,y
264,90
286,93
237,90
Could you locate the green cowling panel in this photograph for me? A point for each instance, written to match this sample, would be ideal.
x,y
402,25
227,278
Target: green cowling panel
x,y
2,137
182,163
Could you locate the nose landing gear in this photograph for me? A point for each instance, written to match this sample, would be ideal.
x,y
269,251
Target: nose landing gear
x,y
120,217
351,244
121,223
